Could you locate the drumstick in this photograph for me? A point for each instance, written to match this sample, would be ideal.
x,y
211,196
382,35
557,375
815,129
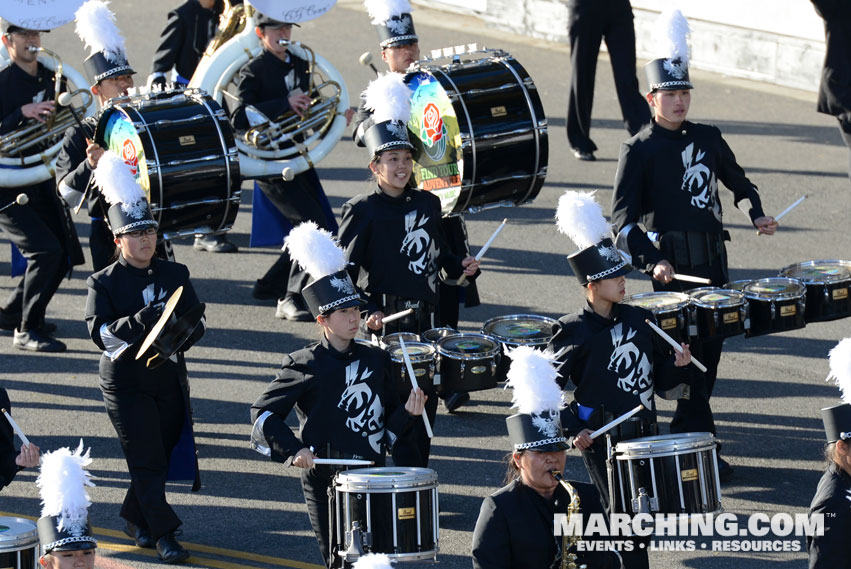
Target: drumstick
x,y
343,461
16,428
691,279
413,377
396,316
485,248
614,423
675,345
787,210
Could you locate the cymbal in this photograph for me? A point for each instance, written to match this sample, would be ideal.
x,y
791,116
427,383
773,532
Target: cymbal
x,y
164,318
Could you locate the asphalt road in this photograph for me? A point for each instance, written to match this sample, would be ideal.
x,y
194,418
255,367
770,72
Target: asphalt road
x,y
251,513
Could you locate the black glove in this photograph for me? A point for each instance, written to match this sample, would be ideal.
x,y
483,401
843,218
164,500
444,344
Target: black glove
x,y
148,315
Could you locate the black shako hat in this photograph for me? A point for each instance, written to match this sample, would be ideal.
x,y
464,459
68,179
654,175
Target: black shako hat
x,y
389,99
837,422
105,64
392,19
670,73
837,419
129,209
599,261
95,25
332,292
667,75
386,135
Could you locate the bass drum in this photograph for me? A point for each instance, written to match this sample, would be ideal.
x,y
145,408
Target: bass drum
x,y
180,146
479,131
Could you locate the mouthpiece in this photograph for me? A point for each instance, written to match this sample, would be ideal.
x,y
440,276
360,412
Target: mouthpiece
x,y
64,99
22,199
365,58
286,43
556,474
287,174
33,48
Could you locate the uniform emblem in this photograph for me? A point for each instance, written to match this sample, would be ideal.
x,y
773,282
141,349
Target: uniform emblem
x,y
675,68
343,286
546,423
631,365
398,129
609,253
400,25
363,408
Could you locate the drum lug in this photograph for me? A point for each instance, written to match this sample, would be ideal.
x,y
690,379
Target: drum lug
x,y
431,370
140,127
745,315
644,504
826,294
462,368
493,365
716,318
773,310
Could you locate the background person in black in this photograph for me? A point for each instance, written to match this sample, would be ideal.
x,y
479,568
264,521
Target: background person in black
x,y
12,461
589,21
147,407
189,29
273,83
345,396
667,180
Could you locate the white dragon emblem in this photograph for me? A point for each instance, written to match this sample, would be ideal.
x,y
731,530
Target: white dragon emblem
x,y
609,253
675,67
546,423
343,286
398,129
399,25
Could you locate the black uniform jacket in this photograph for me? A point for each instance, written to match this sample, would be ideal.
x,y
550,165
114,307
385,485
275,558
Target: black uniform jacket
x,y
398,245
343,399
361,122
185,37
265,83
515,529
73,169
668,181
116,296
19,88
835,88
617,362
8,452
833,500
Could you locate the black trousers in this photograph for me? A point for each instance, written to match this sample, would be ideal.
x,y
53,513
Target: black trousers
x,y
590,21
455,230
316,485
148,418
299,201
37,230
415,448
101,245
845,131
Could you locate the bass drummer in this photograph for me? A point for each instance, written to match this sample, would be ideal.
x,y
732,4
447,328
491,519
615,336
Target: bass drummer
x,y
667,180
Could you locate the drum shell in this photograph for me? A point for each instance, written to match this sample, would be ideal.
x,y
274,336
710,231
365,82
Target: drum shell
x,y
770,316
507,343
467,372
673,318
424,368
19,550
719,322
390,339
828,297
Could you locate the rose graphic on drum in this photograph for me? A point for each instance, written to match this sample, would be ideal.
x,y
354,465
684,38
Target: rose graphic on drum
x,y
433,132
130,157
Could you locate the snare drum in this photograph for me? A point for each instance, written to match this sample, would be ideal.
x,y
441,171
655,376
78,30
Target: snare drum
x,y
396,508
19,547
393,339
670,311
480,131
828,285
717,313
432,335
518,330
668,474
467,362
422,360
180,147
776,304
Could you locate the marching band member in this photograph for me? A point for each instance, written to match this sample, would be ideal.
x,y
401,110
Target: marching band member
x,y
667,179
41,229
607,349
149,407
63,528
393,236
110,76
345,396
12,461
515,525
833,496
274,82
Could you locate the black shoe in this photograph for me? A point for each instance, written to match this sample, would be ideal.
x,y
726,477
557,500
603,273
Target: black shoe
x,y
214,244
262,291
37,341
170,551
141,536
292,308
456,400
584,155
725,470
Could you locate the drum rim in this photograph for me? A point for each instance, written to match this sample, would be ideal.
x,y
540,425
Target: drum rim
x,y
519,341
462,356
684,300
664,445
802,290
414,357
704,304
19,541
827,280
423,478
423,338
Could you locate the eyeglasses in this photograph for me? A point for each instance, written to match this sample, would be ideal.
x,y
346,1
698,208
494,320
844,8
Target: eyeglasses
x,y
136,234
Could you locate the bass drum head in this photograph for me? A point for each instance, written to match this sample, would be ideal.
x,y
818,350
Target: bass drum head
x,y
121,136
520,329
818,271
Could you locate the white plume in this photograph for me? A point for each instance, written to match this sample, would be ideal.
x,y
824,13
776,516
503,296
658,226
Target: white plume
x,y
62,484
580,217
315,250
840,368
382,10
96,27
532,375
373,561
389,98
673,35
116,183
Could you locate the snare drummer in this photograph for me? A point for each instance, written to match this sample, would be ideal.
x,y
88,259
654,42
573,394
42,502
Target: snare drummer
x,y
345,396
667,180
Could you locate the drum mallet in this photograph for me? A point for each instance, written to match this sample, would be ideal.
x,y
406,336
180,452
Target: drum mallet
x,y
691,279
614,423
675,345
16,428
366,59
414,383
65,100
22,199
287,174
485,248
787,210
396,316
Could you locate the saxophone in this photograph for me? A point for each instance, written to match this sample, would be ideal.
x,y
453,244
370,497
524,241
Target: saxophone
x,y
568,560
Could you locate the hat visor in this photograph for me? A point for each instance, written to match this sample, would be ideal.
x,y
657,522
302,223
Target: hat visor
x,y
278,25
76,546
141,226
679,86
401,43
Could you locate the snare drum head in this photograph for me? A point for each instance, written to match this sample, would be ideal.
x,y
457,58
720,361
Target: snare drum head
x,y
417,351
391,339
384,478
17,532
433,335
818,271
520,329
775,288
662,444
712,297
466,346
661,300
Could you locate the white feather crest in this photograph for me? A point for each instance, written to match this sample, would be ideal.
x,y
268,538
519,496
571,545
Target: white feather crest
x,y
96,27
673,35
315,250
62,484
382,10
373,561
840,368
580,217
116,183
389,98
532,375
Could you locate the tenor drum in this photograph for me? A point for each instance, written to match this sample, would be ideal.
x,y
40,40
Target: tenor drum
x,y
717,313
180,147
395,508
421,355
19,547
389,340
432,335
776,304
480,132
668,474
828,285
670,311
518,330
467,362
